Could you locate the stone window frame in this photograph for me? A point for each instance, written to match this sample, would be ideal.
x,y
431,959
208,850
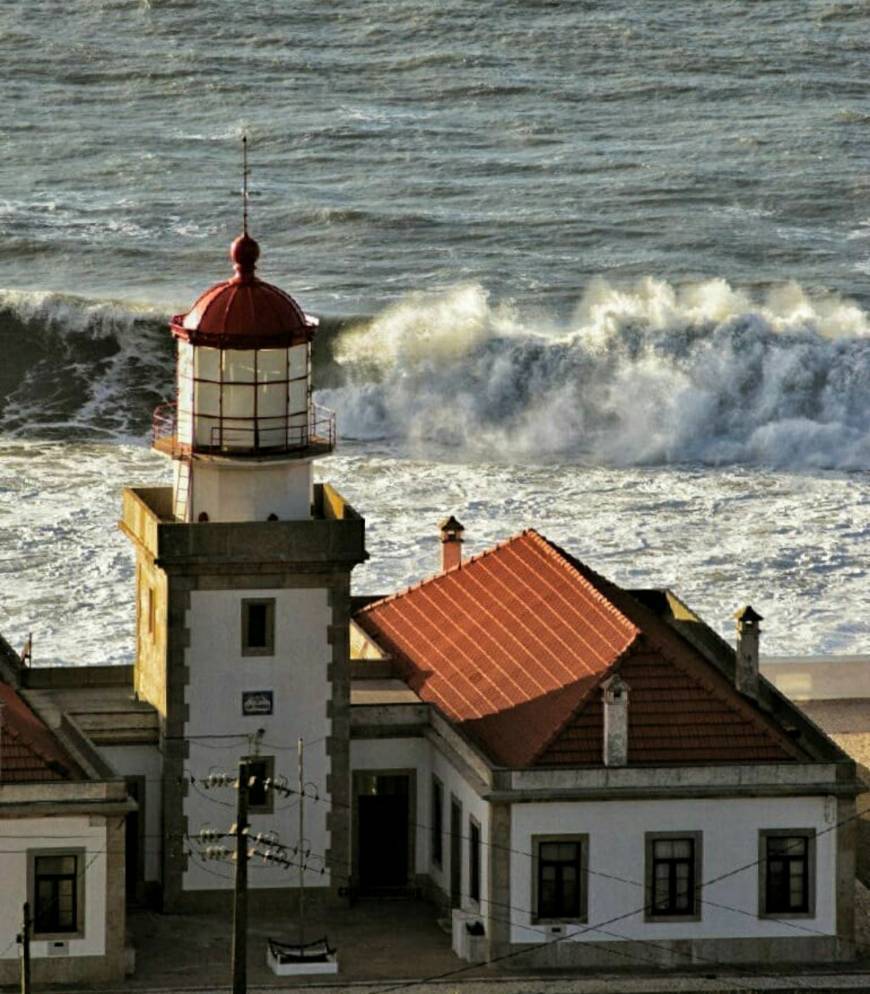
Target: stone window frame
x,y
583,915
259,650
81,907
475,860
697,838
436,834
806,833
269,807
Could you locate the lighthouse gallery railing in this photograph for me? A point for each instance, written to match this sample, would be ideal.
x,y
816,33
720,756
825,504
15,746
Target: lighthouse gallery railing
x,y
245,436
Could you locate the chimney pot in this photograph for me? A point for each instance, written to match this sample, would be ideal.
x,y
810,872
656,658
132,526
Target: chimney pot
x,y
451,542
614,693
748,639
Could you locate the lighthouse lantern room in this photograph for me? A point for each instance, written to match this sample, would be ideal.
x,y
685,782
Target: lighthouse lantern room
x,y
243,402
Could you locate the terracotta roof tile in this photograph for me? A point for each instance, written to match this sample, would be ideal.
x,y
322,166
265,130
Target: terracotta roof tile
x,y
512,646
28,750
506,644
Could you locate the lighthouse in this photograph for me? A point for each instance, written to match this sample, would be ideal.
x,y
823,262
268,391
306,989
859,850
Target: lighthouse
x,y
243,430
243,588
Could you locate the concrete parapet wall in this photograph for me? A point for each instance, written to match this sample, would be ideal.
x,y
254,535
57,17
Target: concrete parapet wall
x,y
819,678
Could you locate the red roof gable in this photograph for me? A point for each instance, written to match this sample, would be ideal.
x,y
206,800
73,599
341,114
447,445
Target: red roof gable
x,y
506,644
512,647
28,750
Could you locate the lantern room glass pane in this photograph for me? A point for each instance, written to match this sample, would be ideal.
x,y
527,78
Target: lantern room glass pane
x,y
272,400
297,361
238,401
239,365
298,397
208,398
272,365
208,363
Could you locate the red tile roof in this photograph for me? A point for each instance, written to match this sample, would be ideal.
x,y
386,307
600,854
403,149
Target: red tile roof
x,y
505,645
28,750
512,647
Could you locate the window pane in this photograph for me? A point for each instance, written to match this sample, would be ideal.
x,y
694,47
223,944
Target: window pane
x,y
257,626
682,848
660,894
570,902
796,893
548,851
664,848
54,865
548,873
547,907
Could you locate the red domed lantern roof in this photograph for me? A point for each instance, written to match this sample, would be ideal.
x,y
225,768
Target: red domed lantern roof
x,y
244,312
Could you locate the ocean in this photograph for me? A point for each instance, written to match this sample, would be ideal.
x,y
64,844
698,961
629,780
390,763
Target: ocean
x,y
597,269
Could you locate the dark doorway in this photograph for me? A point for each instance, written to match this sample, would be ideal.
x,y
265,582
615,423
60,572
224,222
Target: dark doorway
x,y
383,835
455,853
134,841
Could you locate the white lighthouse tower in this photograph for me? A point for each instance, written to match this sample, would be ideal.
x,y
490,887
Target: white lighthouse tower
x,y
243,585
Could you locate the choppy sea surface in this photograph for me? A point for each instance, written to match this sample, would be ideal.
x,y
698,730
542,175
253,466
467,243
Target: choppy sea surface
x,y
597,269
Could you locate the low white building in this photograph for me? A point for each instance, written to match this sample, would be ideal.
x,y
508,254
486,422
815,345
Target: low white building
x,y
603,779
62,824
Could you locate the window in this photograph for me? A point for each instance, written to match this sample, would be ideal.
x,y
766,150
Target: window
x,y
673,876
437,838
559,878
57,892
260,769
152,611
474,860
787,873
258,627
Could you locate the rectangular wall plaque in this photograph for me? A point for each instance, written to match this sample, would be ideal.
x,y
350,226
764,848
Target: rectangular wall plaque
x,y
257,701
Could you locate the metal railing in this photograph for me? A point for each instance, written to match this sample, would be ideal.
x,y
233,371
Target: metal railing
x,y
246,436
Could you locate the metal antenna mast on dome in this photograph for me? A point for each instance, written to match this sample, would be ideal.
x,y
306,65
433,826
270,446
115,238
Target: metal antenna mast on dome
x,y
244,184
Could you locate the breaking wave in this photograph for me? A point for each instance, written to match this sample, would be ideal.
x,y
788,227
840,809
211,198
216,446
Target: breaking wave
x,y
640,375
644,375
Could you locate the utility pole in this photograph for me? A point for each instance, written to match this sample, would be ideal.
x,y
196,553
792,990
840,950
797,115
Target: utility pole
x,y
24,940
301,845
240,898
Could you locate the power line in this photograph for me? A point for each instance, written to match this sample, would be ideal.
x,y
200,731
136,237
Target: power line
x,y
536,930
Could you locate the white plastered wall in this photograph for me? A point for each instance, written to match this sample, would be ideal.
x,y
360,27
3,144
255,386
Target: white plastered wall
x,y
144,761
20,835
249,491
474,806
297,677
616,831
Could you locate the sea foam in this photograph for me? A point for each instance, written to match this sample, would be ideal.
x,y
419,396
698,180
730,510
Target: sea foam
x,y
647,374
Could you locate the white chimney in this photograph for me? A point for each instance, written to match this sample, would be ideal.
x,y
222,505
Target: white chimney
x,y
451,542
615,697
748,633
